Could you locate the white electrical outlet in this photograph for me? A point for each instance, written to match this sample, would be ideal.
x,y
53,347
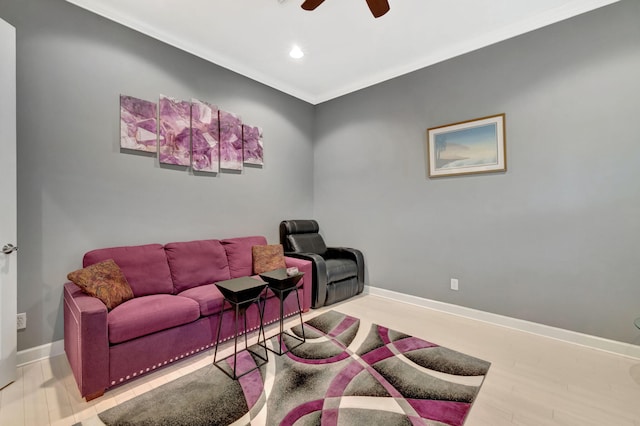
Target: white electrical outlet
x,y
454,284
22,321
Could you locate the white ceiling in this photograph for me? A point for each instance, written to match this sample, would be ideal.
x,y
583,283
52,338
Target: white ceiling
x,y
346,48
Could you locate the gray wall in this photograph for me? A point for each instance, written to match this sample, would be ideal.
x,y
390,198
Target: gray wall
x,y
77,191
554,239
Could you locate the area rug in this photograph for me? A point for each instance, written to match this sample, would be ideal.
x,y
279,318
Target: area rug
x,y
347,373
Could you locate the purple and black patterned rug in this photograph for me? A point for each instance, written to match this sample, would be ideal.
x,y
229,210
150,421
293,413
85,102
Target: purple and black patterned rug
x,y
347,373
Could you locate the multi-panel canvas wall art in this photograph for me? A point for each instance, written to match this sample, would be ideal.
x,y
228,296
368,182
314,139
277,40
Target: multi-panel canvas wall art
x,y
205,137
175,131
194,133
138,124
252,145
230,141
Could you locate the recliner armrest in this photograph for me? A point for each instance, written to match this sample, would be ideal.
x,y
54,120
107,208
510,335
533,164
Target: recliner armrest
x,y
319,267
349,253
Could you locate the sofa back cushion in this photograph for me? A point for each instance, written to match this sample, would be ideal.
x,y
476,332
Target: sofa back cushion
x,y
145,267
195,263
239,254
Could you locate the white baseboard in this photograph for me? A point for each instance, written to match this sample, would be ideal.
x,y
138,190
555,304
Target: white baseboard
x,y
56,348
38,353
574,337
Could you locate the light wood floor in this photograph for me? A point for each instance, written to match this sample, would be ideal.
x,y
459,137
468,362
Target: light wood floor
x,y
533,380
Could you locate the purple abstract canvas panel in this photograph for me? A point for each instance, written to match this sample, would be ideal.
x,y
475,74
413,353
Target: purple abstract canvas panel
x,y
230,141
175,131
138,124
205,137
252,141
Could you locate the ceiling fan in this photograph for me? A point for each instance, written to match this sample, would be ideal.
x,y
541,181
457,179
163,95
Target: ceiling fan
x,y
377,7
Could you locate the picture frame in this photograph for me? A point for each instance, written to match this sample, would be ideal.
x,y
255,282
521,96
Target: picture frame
x,y
467,147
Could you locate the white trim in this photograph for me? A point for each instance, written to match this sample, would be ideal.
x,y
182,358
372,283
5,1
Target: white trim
x,y
532,23
619,348
315,97
39,353
196,49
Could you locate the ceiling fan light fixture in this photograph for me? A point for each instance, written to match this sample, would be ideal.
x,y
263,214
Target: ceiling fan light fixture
x,y
296,52
377,7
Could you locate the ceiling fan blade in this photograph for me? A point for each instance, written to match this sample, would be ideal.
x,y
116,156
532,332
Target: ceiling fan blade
x,y
311,4
378,7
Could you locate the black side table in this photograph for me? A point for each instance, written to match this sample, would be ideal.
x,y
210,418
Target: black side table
x,y
282,285
241,293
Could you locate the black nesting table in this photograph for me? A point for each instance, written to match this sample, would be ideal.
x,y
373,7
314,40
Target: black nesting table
x,y
282,285
241,293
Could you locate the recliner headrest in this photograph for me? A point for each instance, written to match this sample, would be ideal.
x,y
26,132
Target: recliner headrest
x,y
299,226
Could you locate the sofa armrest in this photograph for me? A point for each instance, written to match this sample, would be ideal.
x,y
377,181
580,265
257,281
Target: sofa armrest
x,y
349,253
319,277
86,341
307,281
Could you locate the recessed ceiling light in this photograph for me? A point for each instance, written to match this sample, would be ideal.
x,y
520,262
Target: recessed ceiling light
x,y
296,52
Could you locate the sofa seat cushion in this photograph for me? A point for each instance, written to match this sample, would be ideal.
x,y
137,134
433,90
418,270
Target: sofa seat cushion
x,y
239,254
340,269
196,263
149,314
145,267
208,298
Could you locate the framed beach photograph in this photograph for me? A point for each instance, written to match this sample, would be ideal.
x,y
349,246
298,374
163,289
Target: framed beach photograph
x,y
467,147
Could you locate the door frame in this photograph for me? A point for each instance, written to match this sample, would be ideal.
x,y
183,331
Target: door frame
x,y
8,211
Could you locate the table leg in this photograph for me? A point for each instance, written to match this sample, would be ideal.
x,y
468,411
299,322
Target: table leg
x,y
282,294
235,343
215,352
281,297
261,328
304,337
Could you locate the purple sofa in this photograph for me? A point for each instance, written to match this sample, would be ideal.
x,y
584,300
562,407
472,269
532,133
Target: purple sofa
x,y
174,312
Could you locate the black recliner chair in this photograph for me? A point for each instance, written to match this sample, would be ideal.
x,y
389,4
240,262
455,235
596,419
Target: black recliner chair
x,y
338,272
